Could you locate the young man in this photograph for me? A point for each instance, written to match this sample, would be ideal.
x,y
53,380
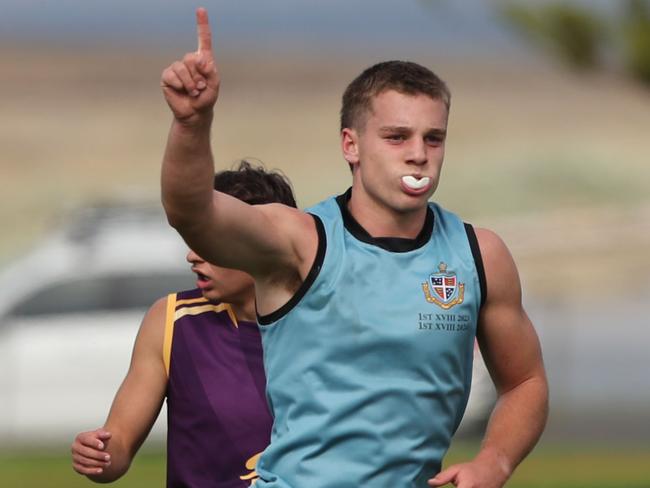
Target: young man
x,y
370,303
201,350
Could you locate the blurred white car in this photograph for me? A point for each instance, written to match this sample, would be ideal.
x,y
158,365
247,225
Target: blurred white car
x,y
69,313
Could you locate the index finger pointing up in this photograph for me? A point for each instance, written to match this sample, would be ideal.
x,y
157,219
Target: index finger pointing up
x,y
203,30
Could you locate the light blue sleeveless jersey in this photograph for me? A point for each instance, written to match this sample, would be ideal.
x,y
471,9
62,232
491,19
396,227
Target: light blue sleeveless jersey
x,y
369,366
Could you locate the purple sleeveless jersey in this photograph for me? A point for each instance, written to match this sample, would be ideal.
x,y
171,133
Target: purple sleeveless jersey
x,y
217,415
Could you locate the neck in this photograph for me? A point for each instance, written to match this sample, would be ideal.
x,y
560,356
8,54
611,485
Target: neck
x,y
244,310
381,221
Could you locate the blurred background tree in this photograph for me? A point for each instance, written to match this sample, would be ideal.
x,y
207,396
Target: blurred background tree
x,y
573,33
636,37
580,36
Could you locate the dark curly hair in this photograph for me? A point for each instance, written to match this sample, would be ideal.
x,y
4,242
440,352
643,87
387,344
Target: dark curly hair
x,y
255,185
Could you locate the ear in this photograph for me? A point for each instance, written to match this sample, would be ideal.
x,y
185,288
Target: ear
x,y
350,145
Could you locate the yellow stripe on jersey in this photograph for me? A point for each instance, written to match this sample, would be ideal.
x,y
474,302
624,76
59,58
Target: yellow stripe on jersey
x,y
169,331
232,316
207,308
189,301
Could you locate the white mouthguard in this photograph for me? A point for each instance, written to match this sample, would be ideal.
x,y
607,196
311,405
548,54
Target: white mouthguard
x,y
415,184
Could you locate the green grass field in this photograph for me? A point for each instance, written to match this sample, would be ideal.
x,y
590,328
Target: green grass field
x,y
550,466
579,466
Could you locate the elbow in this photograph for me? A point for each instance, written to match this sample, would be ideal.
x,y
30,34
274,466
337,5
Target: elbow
x,y
176,216
189,226
175,219
185,216
185,226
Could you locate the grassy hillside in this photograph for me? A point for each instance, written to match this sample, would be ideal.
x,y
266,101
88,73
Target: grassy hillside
x,y
533,153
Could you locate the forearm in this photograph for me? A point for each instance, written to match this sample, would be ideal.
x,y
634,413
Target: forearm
x,y
516,424
187,172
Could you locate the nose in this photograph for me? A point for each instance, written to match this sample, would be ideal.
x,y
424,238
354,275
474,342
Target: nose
x,y
417,152
193,258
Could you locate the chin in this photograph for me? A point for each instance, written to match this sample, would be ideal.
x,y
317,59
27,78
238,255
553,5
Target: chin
x,y
212,296
412,203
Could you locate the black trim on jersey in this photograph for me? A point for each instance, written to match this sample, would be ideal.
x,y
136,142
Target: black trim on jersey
x,y
478,260
393,244
309,280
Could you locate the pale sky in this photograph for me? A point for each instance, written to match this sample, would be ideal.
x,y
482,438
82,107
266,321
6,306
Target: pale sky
x,y
380,28
361,24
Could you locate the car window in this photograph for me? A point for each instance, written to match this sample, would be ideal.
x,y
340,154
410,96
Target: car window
x,y
106,293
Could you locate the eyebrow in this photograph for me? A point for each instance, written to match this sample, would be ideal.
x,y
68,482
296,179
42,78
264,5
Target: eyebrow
x,y
407,130
395,128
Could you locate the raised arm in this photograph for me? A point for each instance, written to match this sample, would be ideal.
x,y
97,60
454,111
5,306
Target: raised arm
x,y
105,454
513,356
262,240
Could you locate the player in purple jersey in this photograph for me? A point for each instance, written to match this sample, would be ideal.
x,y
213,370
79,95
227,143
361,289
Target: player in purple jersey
x,y
200,350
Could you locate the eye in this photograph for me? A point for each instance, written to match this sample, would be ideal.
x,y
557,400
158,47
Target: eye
x,y
434,140
395,137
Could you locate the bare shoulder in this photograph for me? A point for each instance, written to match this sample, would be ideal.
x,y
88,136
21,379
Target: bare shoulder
x,y
500,269
492,246
275,210
155,316
152,329
285,216
297,225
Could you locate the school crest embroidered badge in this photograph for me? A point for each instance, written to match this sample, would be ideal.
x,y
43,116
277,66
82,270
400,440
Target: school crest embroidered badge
x,y
443,289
